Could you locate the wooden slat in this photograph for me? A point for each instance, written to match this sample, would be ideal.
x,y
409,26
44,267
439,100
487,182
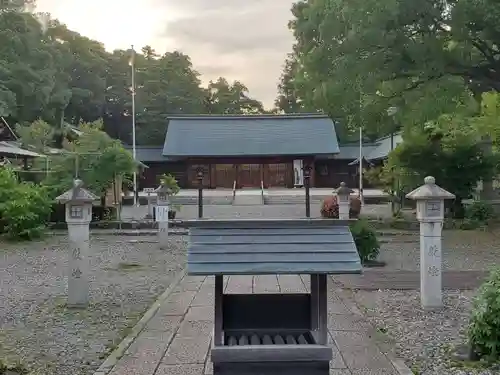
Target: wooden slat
x,y
272,231
265,257
273,239
273,268
254,249
287,248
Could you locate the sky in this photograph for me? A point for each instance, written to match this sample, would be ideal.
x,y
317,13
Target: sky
x,y
244,40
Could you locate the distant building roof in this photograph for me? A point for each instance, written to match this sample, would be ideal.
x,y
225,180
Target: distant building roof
x,y
148,153
12,149
250,135
384,147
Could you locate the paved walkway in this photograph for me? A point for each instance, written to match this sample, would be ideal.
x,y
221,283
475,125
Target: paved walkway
x,y
176,341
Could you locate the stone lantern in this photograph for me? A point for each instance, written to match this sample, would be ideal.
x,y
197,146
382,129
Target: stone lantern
x,y
78,203
161,213
343,198
430,213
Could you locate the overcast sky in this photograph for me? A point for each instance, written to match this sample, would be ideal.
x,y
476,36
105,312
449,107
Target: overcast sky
x,y
245,40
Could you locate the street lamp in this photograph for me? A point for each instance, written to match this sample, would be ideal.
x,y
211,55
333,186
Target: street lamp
x,y
307,182
392,111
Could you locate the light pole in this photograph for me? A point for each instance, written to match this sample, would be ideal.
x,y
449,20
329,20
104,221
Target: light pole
x,y
392,111
361,197
134,154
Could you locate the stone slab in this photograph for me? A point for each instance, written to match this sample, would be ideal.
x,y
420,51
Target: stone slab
x,y
266,284
187,350
291,284
179,370
165,323
177,304
239,285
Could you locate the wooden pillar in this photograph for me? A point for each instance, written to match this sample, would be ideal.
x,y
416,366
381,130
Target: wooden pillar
x,y
219,295
319,309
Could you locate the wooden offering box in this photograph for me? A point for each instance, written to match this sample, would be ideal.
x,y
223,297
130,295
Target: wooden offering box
x,y
266,333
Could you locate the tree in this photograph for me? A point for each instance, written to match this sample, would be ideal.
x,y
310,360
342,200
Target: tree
x,y
94,157
358,58
54,74
229,99
449,153
288,100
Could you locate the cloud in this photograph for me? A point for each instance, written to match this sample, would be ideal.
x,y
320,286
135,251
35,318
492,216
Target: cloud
x,y
238,39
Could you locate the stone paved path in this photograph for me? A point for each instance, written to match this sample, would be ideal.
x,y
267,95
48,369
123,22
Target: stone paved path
x,y
176,341
375,279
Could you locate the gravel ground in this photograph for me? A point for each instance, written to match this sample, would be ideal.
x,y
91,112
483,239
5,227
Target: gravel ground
x,y
462,250
41,333
423,339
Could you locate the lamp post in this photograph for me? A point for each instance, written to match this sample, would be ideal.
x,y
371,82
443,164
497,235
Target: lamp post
x,y
307,182
132,89
199,176
392,111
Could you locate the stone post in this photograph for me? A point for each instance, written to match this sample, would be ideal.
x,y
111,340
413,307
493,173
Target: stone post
x,y
149,191
78,203
430,213
343,198
161,214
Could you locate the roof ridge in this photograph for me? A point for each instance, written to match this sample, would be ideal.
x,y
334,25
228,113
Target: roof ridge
x,y
245,117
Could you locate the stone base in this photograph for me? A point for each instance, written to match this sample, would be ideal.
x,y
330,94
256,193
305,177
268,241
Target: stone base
x,y
273,368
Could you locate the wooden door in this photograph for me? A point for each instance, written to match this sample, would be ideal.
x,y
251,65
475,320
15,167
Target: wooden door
x,y
225,175
278,175
249,176
193,176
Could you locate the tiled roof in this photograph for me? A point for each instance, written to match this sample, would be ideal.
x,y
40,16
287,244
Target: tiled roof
x,y
242,247
271,135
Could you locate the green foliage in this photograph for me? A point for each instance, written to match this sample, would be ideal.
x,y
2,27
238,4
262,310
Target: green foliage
x,y
51,73
484,328
24,207
354,59
94,157
480,211
454,158
365,238
171,183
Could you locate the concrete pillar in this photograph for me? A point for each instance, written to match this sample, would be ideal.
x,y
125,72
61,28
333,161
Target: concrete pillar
x,y
430,213
344,200
161,214
78,203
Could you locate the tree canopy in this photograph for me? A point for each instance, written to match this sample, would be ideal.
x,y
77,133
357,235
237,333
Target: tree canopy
x,y
52,73
355,59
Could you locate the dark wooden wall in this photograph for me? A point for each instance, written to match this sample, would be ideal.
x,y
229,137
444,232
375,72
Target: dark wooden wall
x,y
248,172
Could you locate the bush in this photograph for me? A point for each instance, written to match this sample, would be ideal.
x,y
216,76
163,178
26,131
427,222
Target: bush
x,y
365,238
330,208
355,207
479,211
484,327
24,207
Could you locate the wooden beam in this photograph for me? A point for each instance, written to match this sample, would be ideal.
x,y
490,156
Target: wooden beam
x,y
219,295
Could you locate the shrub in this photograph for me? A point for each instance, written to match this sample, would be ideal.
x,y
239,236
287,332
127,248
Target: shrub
x,y
484,327
354,207
330,208
366,240
24,207
479,211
